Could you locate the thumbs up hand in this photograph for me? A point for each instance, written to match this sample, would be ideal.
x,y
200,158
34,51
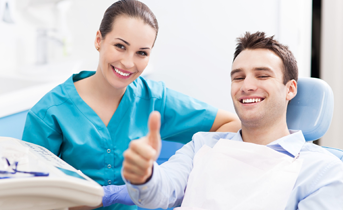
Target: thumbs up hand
x,y
141,154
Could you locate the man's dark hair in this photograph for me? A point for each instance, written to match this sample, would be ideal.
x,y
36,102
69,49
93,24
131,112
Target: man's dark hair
x,y
259,40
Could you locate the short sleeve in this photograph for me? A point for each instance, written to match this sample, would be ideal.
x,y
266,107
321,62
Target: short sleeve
x,y
183,116
36,131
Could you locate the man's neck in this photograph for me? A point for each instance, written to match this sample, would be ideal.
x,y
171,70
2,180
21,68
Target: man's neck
x,y
264,134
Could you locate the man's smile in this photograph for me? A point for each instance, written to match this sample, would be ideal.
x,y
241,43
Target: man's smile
x,y
251,100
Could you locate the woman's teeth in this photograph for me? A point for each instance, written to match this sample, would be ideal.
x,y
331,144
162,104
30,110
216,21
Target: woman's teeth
x,y
251,100
121,73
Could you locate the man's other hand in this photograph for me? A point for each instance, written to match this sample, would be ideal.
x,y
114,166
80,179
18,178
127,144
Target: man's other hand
x,y
139,158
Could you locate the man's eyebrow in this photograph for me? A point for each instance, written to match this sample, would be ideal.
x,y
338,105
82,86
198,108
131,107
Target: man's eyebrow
x,y
235,71
263,69
142,48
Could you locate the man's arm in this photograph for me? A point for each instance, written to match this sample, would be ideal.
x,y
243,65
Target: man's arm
x,y
151,185
328,193
226,122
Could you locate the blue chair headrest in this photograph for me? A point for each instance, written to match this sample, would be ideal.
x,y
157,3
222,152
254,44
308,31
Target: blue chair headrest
x,y
311,110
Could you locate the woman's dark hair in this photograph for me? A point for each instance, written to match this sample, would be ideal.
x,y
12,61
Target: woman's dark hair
x,y
259,40
131,8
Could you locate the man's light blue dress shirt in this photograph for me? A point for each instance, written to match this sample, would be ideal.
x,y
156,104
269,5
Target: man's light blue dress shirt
x,y
318,186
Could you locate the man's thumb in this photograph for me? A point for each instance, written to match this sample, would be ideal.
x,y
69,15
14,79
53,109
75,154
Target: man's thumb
x,y
154,130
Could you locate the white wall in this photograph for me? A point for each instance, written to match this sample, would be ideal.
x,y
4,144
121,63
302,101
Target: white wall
x,y
332,65
197,38
194,49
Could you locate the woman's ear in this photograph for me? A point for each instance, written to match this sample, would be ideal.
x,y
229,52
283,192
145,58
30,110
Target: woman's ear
x,y
292,89
98,40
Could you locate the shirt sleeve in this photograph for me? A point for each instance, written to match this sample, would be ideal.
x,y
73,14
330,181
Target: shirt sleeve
x,y
183,116
166,188
36,131
328,191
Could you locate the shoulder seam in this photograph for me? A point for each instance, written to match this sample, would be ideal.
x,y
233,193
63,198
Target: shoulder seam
x,y
53,106
321,175
45,122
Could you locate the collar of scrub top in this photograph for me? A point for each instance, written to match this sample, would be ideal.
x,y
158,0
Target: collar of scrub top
x,y
14,167
290,145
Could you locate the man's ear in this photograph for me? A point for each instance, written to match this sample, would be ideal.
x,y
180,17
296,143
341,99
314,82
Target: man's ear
x,y
292,89
98,39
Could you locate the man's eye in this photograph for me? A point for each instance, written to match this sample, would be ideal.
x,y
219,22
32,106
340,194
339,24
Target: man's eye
x,y
238,78
120,46
263,76
142,53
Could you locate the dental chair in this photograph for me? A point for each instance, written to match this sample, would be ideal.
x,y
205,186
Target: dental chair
x,y
311,110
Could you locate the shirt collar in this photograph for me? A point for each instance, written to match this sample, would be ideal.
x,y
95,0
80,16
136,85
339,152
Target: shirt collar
x,y
291,143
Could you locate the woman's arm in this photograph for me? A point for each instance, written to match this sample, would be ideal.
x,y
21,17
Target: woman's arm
x,y
226,122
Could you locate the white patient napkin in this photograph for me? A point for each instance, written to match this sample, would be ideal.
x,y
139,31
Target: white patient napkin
x,y
240,176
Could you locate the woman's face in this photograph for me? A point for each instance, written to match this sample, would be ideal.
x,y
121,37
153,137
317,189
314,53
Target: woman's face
x,y
125,51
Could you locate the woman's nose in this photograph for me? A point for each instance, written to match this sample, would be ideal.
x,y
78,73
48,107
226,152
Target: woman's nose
x,y
127,60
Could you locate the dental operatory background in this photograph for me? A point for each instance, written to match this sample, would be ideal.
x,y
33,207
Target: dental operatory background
x,y
42,42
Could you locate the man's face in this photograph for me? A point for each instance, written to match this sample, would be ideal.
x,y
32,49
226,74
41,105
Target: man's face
x,y
257,90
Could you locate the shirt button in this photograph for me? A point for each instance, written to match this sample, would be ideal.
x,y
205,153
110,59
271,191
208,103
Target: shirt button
x,y
109,181
109,166
108,150
144,188
140,200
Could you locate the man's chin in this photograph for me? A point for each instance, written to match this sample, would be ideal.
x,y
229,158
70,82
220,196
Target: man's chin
x,y
251,121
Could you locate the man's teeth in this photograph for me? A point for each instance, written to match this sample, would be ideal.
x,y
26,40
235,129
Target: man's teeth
x,y
121,73
251,100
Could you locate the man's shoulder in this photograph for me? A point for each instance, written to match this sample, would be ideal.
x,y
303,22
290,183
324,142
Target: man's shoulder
x,y
318,156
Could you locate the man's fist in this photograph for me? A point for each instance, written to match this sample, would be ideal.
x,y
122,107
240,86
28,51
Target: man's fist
x,y
139,158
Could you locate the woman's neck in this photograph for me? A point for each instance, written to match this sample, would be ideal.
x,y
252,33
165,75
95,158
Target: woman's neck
x,y
98,94
100,86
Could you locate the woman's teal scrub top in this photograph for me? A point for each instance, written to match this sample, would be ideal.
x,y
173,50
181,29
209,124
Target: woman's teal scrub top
x,y
63,123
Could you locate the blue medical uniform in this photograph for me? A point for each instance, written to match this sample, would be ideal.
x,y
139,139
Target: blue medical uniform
x,y
63,123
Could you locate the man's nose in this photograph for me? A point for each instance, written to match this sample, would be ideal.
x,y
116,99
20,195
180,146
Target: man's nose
x,y
127,60
249,84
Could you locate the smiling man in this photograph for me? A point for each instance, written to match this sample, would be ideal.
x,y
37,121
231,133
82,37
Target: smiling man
x,y
263,166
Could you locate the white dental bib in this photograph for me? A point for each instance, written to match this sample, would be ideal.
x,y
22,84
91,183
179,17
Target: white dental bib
x,y
240,176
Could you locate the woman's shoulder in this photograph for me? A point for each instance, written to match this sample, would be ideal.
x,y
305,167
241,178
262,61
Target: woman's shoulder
x,y
56,97
146,88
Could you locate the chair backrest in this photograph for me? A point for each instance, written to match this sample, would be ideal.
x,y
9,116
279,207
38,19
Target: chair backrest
x,y
311,110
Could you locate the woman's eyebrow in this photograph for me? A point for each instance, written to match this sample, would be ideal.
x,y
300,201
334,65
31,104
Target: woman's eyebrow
x,y
142,48
124,41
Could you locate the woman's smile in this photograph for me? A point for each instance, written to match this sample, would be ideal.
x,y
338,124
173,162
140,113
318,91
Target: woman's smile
x,y
121,73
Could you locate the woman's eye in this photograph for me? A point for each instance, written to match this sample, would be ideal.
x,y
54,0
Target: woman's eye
x,y
142,53
120,46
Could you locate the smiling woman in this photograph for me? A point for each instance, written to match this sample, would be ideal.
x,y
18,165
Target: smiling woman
x,y
90,120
